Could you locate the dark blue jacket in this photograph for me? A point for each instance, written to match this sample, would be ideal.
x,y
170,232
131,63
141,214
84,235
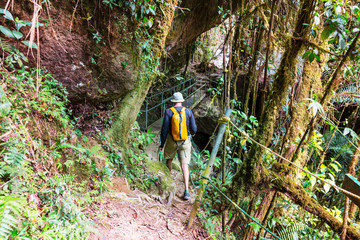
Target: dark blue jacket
x,y
166,126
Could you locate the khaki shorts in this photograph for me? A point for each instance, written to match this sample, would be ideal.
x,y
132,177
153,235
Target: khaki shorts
x,y
183,148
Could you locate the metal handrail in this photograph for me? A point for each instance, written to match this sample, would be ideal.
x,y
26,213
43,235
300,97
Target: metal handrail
x,y
164,101
167,90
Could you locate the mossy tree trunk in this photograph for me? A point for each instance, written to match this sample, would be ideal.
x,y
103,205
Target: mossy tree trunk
x,y
308,85
130,105
249,173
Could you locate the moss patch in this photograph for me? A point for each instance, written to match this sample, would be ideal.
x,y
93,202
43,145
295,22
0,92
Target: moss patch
x,y
160,170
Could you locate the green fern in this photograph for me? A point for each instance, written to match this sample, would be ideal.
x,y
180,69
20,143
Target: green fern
x,y
11,208
291,232
6,46
339,149
15,163
348,94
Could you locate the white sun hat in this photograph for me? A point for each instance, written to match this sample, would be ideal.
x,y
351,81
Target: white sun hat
x,y
177,97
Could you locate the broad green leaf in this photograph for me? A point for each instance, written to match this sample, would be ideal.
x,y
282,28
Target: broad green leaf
x,y
335,167
306,184
346,131
152,10
27,43
313,181
311,57
243,115
21,23
327,31
17,34
8,15
6,31
306,54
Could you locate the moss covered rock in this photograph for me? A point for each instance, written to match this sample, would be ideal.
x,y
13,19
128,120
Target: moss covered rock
x,y
166,183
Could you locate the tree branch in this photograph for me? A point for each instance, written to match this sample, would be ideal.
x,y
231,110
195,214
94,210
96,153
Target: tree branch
x,y
286,185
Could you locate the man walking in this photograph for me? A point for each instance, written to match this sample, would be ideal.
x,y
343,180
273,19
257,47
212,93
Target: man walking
x,y
178,125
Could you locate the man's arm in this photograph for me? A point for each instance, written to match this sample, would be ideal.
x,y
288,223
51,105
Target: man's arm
x,y
193,127
164,129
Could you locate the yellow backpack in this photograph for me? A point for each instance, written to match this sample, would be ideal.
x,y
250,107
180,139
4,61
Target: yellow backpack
x,y
178,125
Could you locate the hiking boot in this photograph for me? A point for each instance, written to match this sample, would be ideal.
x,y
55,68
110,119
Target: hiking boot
x,y
186,195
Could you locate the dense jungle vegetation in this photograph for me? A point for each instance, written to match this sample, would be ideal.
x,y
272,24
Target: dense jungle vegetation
x,y
75,74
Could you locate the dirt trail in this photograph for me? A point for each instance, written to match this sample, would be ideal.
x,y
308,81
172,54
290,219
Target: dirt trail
x,y
126,214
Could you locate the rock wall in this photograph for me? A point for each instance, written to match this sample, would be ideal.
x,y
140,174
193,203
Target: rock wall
x,y
91,70
192,18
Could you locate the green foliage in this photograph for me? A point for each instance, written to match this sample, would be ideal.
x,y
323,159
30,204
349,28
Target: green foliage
x,y
338,24
11,208
38,163
97,37
15,34
21,152
291,232
217,91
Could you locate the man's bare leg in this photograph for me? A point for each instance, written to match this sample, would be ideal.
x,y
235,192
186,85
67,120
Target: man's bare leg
x,y
169,164
185,169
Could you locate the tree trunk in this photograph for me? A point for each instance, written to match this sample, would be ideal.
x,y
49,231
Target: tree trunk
x,y
130,105
250,172
264,85
259,214
252,70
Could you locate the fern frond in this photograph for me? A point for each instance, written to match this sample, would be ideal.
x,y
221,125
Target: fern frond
x,y
291,232
10,210
6,46
348,94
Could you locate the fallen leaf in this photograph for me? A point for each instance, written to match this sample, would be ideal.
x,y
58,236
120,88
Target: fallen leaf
x,y
194,233
108,215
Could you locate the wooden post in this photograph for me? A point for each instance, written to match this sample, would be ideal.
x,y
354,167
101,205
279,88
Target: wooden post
x,y
208,170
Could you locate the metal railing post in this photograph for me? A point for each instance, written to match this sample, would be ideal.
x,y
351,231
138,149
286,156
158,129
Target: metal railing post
x,y
146,115
208,170
162,105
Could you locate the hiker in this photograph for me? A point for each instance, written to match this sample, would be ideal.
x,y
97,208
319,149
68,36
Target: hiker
x,y
178,125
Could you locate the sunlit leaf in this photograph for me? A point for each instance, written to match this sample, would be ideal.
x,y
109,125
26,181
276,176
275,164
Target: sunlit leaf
x,y
313,181
6,31
8,15
150,23
27,43
326,187
316,20
17,34
338,10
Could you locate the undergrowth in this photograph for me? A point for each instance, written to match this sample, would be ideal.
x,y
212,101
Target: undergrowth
x,y
40,154
49,171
